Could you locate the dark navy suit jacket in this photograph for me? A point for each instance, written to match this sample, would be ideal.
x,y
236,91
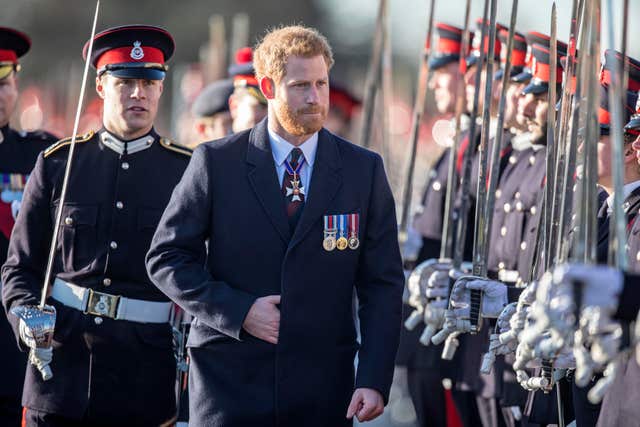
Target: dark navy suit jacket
x,y
230,196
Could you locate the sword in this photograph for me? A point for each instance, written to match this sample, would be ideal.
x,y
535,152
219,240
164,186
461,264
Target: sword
x,y
38,322
446,247
451,343
372,82
418,110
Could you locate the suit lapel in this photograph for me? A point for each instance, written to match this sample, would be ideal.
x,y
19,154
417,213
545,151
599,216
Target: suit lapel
x,y
264,179
325,183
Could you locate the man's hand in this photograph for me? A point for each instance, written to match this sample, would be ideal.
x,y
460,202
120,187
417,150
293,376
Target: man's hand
x,y
366,404
263,319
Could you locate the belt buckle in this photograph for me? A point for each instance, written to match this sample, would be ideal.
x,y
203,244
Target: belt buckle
x,y
101,304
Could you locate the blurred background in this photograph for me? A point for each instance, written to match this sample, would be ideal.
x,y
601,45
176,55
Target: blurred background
x,y
207,34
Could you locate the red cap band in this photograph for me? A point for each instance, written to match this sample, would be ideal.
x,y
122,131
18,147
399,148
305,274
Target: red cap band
x,y
605,78
246,79
8,56
120,55
604,117
543,72
518,58
448,46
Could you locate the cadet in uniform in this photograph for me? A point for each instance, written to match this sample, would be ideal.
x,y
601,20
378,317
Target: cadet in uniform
x,y
113,361
18,153
248,105
425,367
211,112
273,340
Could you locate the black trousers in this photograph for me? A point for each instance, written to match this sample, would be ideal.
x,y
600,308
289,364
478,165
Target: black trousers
x,y
33,418
427,395
10,412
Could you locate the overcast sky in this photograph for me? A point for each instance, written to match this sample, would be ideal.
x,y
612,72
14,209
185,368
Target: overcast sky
x,y
354,18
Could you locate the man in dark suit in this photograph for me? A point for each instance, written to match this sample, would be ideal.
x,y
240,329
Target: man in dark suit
x,y
18,153
112,359
295,218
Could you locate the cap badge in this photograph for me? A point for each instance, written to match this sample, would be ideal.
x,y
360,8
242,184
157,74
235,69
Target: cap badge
x,y
137,53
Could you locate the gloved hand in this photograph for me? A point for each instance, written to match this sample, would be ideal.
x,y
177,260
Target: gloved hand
x,y
494,297
600,285
418,284
518,319
36,327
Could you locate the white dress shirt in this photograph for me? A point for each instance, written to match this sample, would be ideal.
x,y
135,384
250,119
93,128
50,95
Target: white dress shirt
x,y
281,148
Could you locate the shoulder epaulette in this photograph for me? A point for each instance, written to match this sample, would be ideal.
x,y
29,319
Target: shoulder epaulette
x,y
174,146
67,141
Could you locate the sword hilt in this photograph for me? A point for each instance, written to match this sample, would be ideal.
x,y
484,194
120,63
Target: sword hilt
x,y
547,373
475,310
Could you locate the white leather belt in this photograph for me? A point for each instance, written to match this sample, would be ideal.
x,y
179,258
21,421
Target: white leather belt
x,y
112,306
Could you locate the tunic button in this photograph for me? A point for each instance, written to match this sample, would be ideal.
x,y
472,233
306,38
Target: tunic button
x,y
533,210
106,282
113,245
501,265
498,193
517,195
519,206
523,246
513,160
125,165
503,231
437,186
98,320
507,207
638,256
119,205
532,160
68,220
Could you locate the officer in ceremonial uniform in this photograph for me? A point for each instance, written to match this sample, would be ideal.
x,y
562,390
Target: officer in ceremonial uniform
x,y
622,396
308,219
211,111
425,367
18,153
248,105
112,360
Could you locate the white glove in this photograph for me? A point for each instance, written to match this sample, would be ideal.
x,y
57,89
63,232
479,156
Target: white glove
x,y
439,279
601,285
494,296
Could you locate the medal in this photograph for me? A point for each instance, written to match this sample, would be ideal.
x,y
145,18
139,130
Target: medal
x,y
329,242
296,190
342,242
354,220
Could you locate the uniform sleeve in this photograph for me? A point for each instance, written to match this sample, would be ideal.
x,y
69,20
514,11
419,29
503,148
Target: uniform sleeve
x,y
379,287
23,272
629,298
175,259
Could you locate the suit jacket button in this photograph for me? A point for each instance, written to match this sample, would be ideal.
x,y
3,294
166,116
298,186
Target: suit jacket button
x,y
119,205
68,221
125,165
523,246
106,281
98,320
113,245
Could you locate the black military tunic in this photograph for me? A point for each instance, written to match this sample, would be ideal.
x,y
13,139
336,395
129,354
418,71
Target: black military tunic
x,y
18,153
620,405
112,372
